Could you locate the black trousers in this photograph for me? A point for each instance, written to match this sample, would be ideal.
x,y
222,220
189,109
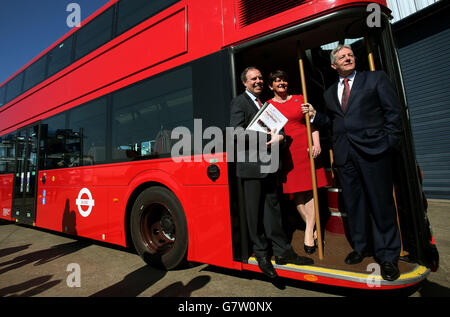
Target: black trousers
x,y
368,198
264,216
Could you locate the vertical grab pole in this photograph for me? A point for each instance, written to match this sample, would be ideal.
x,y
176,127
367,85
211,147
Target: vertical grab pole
x,y
370,54
311,159
372,68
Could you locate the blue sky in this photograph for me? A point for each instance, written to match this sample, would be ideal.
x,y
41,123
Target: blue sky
x,y
28,27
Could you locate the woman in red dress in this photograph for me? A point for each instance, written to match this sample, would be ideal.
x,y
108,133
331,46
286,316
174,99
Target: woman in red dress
x,y
296,166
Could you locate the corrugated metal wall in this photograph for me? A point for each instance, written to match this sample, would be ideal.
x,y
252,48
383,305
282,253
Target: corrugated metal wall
x,y
402,8
424,47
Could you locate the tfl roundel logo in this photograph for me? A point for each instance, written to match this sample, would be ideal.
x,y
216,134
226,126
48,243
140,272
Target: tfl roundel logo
x,y
83,201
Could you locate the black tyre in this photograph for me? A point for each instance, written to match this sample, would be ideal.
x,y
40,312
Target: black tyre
x,y
159,228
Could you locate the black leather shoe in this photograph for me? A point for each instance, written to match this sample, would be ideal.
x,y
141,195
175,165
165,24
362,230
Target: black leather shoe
x,y
293,258
265,265
355,257
389,271
309,250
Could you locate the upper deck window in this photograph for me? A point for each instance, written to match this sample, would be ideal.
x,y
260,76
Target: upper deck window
x,y
14,87
2,95
133,12
35,73
60,56
91,36
94,34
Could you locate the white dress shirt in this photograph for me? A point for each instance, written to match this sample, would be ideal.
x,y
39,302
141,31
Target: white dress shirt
x,y
340,89
254,98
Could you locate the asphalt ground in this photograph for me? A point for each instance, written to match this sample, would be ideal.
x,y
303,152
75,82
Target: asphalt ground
x,y
40,263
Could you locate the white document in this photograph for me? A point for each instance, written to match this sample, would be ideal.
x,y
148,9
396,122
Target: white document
x,y
267,119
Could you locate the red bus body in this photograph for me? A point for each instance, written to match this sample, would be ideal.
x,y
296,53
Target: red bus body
x,y
184,32
111,185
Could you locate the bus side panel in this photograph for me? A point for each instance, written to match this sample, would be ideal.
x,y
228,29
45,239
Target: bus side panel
x,y
205,203
6,185
65,198
157,172
70,201
206,206
209,225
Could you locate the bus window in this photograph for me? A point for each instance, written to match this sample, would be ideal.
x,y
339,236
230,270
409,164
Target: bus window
x,y
7,154
52,148
94,34
2,95
144,115
14,87
60,56
90,120
35,73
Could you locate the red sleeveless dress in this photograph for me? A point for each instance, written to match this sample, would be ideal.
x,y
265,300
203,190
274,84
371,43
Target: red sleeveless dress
x,y
296,171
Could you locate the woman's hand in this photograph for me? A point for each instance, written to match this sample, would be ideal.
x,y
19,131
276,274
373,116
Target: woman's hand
x,y
307,107
316,150
275,138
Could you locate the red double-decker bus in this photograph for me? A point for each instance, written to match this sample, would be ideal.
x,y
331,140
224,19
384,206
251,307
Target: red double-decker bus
x,y
86,130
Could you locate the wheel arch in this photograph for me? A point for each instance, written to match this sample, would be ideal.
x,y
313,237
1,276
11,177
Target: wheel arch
x,y
141,182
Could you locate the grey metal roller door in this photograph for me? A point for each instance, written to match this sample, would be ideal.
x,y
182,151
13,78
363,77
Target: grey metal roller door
x,y
424,51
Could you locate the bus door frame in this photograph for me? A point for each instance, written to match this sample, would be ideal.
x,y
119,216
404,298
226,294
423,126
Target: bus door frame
x,y
26,174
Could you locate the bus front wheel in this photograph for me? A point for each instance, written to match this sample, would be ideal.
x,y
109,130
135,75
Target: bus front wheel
x,y
159,228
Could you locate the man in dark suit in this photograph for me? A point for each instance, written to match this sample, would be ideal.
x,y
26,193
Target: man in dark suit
x,y
260,185
364,112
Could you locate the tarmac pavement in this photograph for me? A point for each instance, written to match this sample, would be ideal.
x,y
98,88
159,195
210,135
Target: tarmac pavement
x,y
39,263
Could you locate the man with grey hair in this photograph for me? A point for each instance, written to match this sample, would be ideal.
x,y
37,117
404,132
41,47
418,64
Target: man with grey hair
x,y
336,50
365,115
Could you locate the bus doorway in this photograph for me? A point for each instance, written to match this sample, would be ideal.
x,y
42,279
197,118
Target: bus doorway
x,y
316,41
25,176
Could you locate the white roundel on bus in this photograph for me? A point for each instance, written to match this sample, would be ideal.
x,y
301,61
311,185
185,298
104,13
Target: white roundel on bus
x,y
81,201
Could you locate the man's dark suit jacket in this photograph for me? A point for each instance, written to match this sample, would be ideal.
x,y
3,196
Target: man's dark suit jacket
x,y
243,110
372,121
